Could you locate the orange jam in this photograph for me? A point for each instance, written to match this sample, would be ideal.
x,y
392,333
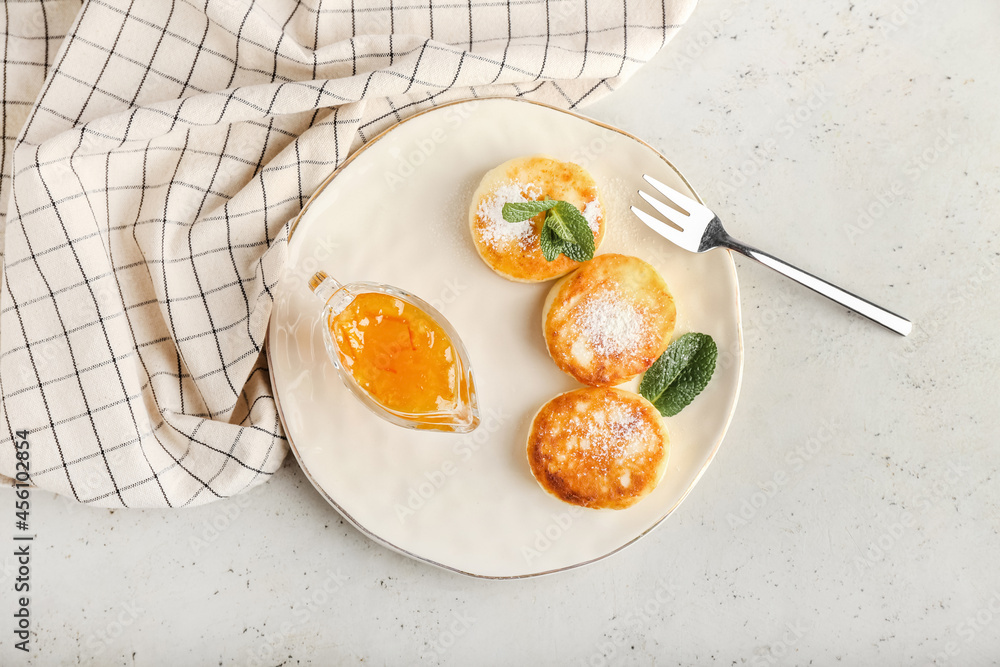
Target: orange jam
x,y
397,353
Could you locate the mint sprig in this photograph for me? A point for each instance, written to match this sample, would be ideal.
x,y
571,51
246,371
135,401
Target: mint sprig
x,y
564,232
680,374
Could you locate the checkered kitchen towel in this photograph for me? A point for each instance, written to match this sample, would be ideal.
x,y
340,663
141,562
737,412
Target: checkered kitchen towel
x,y
163,148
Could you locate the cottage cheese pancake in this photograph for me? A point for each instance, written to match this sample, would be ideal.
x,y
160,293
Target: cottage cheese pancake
x,y
609,320
512,248
598,447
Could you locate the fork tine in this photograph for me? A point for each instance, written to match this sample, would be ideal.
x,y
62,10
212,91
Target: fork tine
x,y
670,214
660,227
685,203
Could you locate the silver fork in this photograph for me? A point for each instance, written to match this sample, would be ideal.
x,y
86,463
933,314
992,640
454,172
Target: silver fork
x,y
701,230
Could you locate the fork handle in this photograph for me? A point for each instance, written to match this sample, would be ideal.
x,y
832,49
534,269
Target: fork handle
x,y
877,314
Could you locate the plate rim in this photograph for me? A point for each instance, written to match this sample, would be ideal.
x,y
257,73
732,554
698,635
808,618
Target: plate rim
x,y
731,265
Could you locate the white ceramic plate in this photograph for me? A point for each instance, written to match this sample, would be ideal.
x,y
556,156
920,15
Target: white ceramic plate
x,y
396,213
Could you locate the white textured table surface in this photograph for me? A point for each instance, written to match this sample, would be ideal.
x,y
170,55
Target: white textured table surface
x,y
853,513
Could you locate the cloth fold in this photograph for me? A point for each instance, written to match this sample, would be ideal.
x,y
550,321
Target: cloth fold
x,y
147,199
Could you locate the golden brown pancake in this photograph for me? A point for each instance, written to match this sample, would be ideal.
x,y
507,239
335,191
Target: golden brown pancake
x,y
512,248
598,447
609,320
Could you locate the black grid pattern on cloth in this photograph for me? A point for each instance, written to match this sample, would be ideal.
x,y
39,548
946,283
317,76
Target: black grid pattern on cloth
x,y
164,148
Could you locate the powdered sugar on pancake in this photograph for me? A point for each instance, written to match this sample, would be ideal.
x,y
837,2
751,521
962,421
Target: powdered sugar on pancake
x,y
497,232
614,433
591,213
611,324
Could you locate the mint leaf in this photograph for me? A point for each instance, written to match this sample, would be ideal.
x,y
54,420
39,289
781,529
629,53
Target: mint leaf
x,y
552,245
576,253
680,374
570,217
521,211
558,224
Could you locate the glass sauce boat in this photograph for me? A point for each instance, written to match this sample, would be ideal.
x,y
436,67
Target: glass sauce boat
x,y
398,355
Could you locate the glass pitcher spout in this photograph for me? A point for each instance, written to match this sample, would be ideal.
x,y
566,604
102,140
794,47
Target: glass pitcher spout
x,y
335,296
398,355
